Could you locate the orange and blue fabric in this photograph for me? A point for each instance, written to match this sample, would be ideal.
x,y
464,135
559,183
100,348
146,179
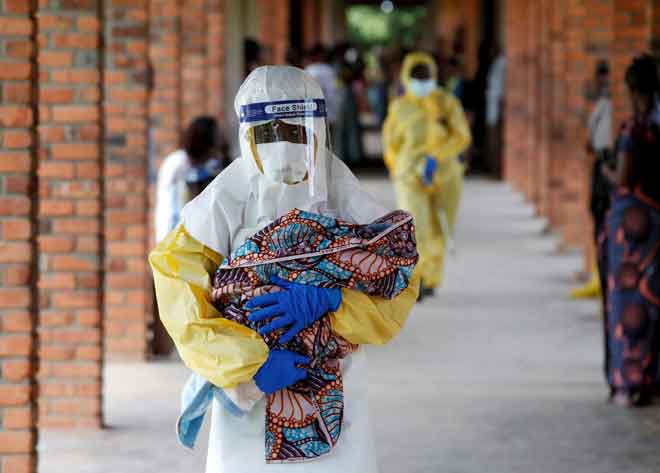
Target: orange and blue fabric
x,y
373,265
630,254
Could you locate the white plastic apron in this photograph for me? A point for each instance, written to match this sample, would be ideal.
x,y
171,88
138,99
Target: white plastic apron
x,y
222,218
236,444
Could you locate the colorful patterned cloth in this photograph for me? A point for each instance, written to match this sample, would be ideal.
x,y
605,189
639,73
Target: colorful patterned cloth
x,y
630,257
304,421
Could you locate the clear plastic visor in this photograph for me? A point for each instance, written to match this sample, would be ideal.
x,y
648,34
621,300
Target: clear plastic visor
x,y
284,138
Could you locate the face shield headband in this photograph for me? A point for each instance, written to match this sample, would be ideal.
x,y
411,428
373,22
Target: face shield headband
x,y
281,109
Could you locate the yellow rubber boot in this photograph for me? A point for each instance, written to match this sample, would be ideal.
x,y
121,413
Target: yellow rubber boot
x,y
591,290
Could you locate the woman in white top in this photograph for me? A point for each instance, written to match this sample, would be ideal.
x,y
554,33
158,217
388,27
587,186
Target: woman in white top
x,y
200,142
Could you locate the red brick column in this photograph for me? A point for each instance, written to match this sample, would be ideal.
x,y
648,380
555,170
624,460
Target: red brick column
x,y
544,104
274,29
453,15
577,73
516,155
18,304
598,36
632,36
165,99
655,32
557,102
70,230
193,60
311,18
532,102
215,51
472,14
128,289
552,48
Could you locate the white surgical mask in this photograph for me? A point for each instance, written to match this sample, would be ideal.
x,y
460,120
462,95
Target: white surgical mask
x,y
283,161
421,88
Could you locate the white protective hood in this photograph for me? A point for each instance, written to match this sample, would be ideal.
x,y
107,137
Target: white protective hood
x,y
241,200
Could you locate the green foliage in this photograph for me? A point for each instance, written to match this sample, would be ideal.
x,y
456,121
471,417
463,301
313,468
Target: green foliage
x,y
368,25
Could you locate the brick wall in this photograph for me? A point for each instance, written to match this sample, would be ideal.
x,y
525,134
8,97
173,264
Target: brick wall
x,y
17,245
515,134
599,31
311,27
165,59
193,59
632,34
274,21
215,59
454,15
126,77
543,69
547,110
655,31
70,224
552,49
576,75
76,123
557,90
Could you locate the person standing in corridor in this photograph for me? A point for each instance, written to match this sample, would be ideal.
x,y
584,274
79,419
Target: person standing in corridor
x,y
599,147
247,370
424,133
631,247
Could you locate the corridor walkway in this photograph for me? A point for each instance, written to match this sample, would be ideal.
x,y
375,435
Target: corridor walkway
x,y
500,373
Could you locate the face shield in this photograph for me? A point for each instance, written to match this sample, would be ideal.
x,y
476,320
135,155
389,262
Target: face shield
x,y
283,129
284,138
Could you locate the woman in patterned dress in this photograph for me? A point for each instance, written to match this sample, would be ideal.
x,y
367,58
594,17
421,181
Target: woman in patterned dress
x,y
630,245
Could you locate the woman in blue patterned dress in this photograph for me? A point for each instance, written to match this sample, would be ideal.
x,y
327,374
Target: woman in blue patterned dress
x,y
631,244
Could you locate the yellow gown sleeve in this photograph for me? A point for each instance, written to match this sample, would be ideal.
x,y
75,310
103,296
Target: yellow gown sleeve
x,y
458,136
391,139
374,320
221,351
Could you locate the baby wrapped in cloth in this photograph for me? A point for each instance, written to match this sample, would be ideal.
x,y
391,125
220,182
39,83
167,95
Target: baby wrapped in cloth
x,y
304,421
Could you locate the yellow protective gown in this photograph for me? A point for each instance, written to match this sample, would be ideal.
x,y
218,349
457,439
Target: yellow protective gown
x,y
416,127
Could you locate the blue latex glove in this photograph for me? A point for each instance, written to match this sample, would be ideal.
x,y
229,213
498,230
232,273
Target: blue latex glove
x,y
298,306
280,371
430,167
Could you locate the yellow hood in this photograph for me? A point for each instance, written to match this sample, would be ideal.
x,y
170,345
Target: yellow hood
x,y
413,59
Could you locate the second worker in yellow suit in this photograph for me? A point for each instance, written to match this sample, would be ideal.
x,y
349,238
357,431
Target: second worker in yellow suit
x,y
424,133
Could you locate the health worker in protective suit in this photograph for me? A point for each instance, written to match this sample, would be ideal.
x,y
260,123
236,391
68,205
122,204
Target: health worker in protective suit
x,y
424,133
285,164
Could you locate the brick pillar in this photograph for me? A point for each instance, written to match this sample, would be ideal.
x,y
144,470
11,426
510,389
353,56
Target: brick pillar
x,y
577,73
452,15
311,18
165,99
274,18
544,104
215,51
70,225
472,16
598,33
655,32
632,36
516,155
128,289
533,86
18,304
193,60
557,102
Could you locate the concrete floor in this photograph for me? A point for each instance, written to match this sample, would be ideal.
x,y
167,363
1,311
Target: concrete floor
x,y
499,373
